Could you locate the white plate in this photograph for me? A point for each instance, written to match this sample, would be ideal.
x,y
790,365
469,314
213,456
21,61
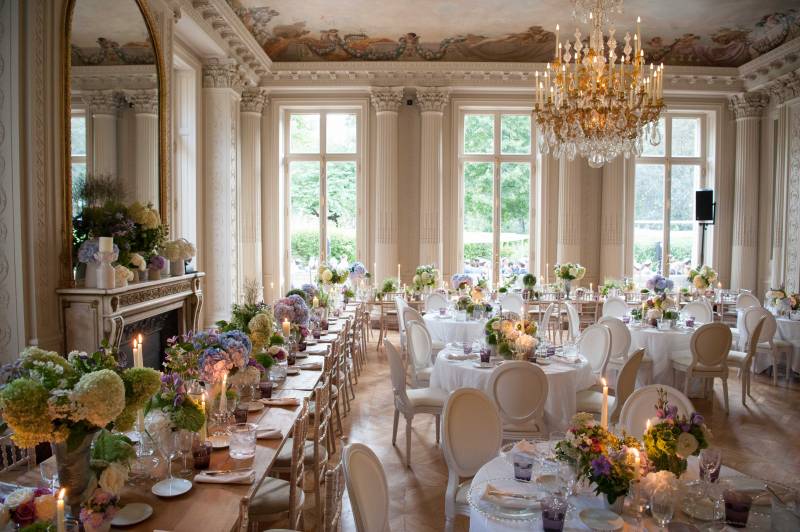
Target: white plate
x,y
171,487
601,520
479,365
292,371
255,406
132,513
219,441
701,508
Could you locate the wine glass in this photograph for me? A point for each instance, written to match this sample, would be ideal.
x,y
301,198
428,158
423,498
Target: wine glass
x,y
662,506
169,450
183,446
49,471
710,462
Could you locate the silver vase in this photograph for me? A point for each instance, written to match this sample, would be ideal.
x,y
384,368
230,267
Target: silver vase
x,y
73,468
617,507
567,287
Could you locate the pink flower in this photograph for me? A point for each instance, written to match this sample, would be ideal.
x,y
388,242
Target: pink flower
x,y
25,514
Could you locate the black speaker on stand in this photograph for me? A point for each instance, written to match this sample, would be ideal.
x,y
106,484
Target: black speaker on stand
x,y
705,213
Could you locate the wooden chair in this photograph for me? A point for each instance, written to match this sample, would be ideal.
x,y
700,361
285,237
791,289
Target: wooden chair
x,y
708,357
13,457
743,360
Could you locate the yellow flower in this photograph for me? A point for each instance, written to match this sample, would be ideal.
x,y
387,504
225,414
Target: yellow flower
x,y
699,282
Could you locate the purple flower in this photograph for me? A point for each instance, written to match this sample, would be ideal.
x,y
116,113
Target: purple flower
x,y
293,308
672,412
310,290
157,262
697,419
357,270
601,466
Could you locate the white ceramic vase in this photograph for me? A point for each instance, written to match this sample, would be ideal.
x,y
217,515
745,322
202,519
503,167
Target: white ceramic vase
x,y
177,267
90,275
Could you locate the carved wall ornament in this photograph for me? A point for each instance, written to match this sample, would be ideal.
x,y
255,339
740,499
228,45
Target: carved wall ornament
x,y
253,100
221,74
143,101
793,197
784,88
386,98
105,102
748,104
149,294
433,98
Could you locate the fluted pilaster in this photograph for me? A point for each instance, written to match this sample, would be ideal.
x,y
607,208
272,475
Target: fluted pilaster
x,y
612,227
103,106
145,106
747,108
569,210
386,101
432,102
221,134
251,106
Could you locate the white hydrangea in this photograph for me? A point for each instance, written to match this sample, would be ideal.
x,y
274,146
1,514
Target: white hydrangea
x,y
99,397
113,478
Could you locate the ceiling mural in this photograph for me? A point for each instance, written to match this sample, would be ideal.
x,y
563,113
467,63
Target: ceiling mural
x,y
108,33
677,32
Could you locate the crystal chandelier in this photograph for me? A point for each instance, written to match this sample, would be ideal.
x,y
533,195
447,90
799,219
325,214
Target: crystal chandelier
x,y
593,101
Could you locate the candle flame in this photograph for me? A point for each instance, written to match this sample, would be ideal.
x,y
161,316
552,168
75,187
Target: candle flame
x,y
603,380
62,493
557,28
140,339
647,426
638,20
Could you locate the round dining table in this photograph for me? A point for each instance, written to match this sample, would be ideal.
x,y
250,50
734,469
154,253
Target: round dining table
x,y
564,379
448,329
584,498
788,330
659,345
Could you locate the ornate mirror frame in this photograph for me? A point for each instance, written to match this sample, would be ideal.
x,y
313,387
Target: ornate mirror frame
x,y
163,144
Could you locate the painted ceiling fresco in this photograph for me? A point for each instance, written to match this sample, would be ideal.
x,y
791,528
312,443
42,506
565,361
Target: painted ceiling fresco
x,y
678,32
109,32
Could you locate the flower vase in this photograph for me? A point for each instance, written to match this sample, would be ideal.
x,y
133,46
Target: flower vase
x,y
177,268
121,283
73,468
90,275
617,506
105,275
567,288
153,274
104,526
277,372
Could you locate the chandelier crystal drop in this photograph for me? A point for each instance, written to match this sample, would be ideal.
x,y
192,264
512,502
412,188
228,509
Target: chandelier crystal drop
x,y
593,101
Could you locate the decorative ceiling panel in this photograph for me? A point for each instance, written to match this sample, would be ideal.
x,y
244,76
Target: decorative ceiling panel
x,y
677,32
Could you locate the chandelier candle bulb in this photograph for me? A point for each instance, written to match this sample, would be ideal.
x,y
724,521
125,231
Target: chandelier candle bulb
x,y
604,411
557,41
637,461
398,273
638,32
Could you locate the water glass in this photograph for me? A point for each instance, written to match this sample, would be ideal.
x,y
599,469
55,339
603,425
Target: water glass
x,y
737,507
183,445
662,506
49,471
554,513
242,441
710,463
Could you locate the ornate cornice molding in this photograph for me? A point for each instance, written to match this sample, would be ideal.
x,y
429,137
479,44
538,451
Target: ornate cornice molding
x,y
105,102
784,88
221,74
143,101
113,77
386,99
766,67
748,104
433,98
253,100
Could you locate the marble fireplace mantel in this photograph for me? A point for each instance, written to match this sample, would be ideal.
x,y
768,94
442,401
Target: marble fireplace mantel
x,y
90,315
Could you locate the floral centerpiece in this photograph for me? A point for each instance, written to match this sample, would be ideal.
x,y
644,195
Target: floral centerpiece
x,y
122,276
425,277
254,319
775,296
567,273
672,438
658,284
30,509
609,285
702,277
292,308
508,283
390,285
599,456
504,335
658,307
328,275
177,404
67,401
177,252
358,272
462,281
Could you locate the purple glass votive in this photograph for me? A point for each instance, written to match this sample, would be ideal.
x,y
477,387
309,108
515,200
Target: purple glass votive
x,y
201,453
240,415
550,351
467,347
554,512
737,507
690,321
486,355
265,387
317,333
442,311
291,359
626,319
324,325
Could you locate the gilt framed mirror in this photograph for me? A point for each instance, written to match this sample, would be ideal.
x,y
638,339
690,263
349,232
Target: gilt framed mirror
x,y
114,126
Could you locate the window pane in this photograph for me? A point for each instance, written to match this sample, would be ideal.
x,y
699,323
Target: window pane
x,y
660,149
478,184
479,134
341,228
78,135
515,134
304,220
304,133
685,179
78,180
340,130
515,197
648,221
686,137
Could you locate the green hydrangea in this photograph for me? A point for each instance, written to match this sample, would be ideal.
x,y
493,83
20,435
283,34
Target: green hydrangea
x,y
140,385
189,416
47,367
25,409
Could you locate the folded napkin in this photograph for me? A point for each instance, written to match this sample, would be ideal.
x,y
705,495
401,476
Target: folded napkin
x,y
457,356
235,477
311,366
328,338
269,434
525,447
281,401
510,499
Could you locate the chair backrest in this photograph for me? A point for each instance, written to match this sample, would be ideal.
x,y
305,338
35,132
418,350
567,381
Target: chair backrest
x,y
519,389
334,492
701,310
435,301
751,317
710,345
747,300
512,302
397,374
401,305
411,314
574,321
753,340
367,487
640,406
419,344
626,382
544,325
595,345
297,473
615,307
14,457
620,337
471,431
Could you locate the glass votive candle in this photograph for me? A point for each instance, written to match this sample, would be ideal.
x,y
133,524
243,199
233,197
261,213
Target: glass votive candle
x,y
523,466
292,358
317,332
201,453
690,321
486,355
626,319
466,347
442,311
737,507
242,444
554,513
265,387
240,414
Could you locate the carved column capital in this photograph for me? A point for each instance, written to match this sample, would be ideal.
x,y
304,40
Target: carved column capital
x,y
143,101
221,74
784,88
433,98
105,102
748,104
253,100
386,98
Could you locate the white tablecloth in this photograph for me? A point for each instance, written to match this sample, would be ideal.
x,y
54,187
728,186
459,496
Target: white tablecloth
x,y
448,329
565,380
788,331
659,345
500,468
